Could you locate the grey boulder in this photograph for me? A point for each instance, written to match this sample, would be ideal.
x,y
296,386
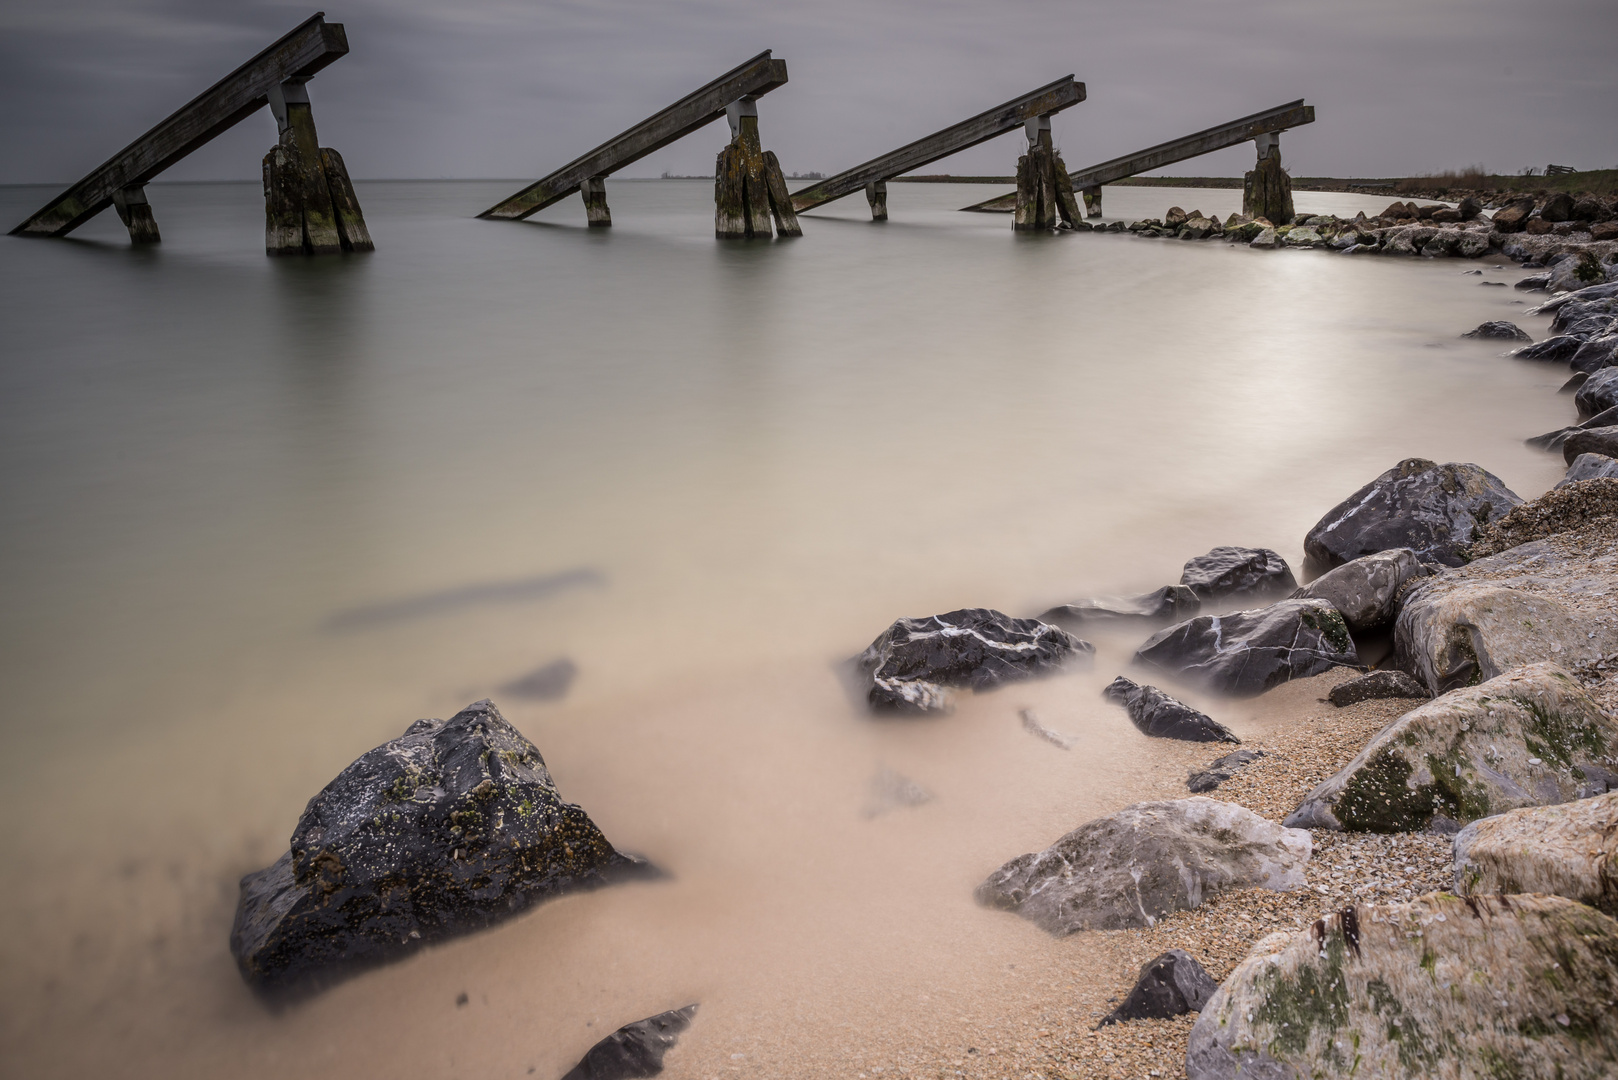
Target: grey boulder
x,y
1220,769
1245,653
1169,985
1160,716
912,663
1134,867
1553,440
1528,738
1595,354
1418,504
1599,392
1374,686
1238,572
449,828
1365,589
1498,331
1601,441
634,1050
1590,467
1438,988
1560,347
1570,850
1169,602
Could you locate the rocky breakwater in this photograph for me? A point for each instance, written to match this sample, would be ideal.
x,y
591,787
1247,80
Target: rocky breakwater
x,y
1133,867
912,665
1581,234
449,828
1437,987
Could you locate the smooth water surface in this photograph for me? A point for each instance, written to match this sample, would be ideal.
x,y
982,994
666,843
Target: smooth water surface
x,y
259,515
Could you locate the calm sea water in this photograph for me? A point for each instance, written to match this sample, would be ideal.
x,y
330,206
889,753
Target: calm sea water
x,y
258,515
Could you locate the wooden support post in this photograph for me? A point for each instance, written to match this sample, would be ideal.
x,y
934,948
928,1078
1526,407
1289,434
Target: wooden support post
x,y
594,192
1292,114
876,193
309,203
786,218
1092,199
1267,190
746,197
136,214
298,55
1043,201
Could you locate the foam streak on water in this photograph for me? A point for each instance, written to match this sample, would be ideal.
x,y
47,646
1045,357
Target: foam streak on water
x,y
703,473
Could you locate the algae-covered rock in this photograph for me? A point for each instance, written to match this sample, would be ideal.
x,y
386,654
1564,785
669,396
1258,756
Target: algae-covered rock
x,y
912,662
1433,509
1439,988
1135,866
1567,850
449,828
1365,589
1528,738
1245,653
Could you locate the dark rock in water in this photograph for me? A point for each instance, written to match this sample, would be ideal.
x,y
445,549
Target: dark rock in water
x,y
1169,602
1601,440
1553,440
1568,315
912,661
1560,347
1248,652
544,684
1365,589
1031,724
1590,467
1595,354
449,828
634,1050
1535,283
1377,684
1499,330
1162,717
1599,392
1174,218
1559,207
1433,509
1576,380
1470,208
1511,217
1238,571
1171,985
1219,770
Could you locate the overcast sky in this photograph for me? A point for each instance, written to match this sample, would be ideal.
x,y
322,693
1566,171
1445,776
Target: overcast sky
x,y
501,88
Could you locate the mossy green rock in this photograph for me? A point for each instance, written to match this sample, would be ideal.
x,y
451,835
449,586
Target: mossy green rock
x,y
1439,988
1531,737
449,828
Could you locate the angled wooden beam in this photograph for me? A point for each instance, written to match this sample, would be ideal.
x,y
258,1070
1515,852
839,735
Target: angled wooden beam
x,y
1292,114
702,106
1051,98
298,55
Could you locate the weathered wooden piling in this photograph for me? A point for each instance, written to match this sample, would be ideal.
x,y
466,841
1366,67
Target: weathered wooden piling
x,y
1044,194
746,183
1267,190
1089,180
307,190
745,179
872,176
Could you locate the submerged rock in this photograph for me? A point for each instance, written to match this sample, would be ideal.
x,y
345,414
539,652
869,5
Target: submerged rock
x,y
449,828
1238,571
1031,724
1590,467
1160,716
1169,602
1219,770
1560,347
1133,867
1375,686
1553,440
1365,589
547,683
634,1050
1170,985
1432,509
1530,737
1248,652
893,791
1567,850
912,662
1520,986
1498,331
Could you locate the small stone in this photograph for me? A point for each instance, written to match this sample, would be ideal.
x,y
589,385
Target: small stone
x,y
1172,984
1377,684
1160,716
634,1050
1219,770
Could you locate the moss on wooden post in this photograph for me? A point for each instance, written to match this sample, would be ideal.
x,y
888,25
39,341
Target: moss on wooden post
x,y
749,191
1267,190
1045,198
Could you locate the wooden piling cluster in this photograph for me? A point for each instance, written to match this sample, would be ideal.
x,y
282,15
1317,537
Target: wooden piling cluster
x,y
1267,190
1045,198
749,189
309,203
